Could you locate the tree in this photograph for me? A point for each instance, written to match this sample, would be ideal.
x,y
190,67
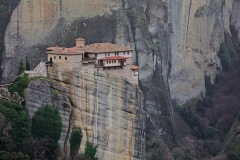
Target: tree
x,y
21,68
46,122
27,65
75,141
90,151
17,128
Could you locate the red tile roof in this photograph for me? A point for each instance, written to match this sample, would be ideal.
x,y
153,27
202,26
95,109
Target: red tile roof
x,y
114,58
92,48
134,67
105,48
64,51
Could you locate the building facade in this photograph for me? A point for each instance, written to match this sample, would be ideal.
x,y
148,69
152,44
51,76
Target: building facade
x,y
100,56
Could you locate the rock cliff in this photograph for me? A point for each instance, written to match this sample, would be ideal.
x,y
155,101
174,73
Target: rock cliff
x,y
108,109
176,43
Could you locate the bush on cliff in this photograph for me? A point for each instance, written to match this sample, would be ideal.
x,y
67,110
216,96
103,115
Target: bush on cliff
x,y
90,151
19,84
17,125
46,122
75,141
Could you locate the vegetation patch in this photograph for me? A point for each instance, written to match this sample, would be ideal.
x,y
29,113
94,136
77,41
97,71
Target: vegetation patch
x,y
19,85
19,124
47,122
75,141
90,151
4,155
190,113
227,52
233,149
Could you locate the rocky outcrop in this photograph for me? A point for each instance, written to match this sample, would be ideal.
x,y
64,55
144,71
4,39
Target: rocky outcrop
x,y
42,92
107,108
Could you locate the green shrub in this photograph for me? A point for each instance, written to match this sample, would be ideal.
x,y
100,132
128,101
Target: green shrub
x,y
21,68
90,151
27,65
4,155
19,85
75,141
19,120
46,122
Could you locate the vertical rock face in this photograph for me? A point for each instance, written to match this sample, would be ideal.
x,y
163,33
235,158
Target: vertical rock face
x,y
108,109
235,20
44,92
198,31
176,43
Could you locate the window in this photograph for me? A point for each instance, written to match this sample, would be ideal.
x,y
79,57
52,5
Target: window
x,y
105,55
107,62
65,58
59,57
54,57
128,53
108,54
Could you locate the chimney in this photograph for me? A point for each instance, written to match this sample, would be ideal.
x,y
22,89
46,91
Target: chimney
x,y
80,42
128,45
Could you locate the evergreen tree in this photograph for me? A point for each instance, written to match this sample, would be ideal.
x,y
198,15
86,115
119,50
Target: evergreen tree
x,y
27,64
21,68
75,140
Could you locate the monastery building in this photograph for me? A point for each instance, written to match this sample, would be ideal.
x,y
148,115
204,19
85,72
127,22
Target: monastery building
x,y
108,57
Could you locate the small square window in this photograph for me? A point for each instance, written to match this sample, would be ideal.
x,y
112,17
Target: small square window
x,y
65,58
59,57
54,57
